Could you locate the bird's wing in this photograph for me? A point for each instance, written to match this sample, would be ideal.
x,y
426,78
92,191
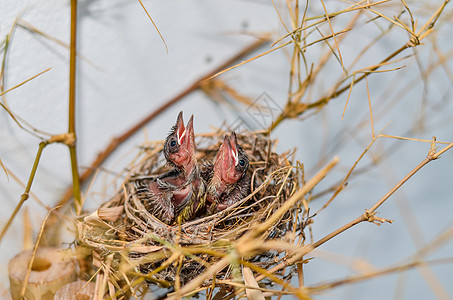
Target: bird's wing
x,y
166,185
172,180
156,201
169,174
184,203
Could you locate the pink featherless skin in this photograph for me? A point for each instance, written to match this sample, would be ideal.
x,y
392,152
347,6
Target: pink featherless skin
x,y
228,182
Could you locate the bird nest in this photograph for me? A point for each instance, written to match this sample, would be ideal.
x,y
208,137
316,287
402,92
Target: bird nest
x,y
135,241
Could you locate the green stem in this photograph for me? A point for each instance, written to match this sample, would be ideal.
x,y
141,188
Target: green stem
x,y
26,194
72,108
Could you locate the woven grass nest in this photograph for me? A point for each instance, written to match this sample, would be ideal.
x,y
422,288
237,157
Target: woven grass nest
x,y
133,240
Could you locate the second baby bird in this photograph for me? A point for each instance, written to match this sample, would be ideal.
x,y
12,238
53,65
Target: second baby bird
x,y
228,181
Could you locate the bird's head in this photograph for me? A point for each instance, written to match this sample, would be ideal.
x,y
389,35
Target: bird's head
x,y
231,162
179,148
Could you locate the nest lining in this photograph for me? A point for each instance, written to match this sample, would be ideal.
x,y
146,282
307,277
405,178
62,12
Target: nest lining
x,y
124,226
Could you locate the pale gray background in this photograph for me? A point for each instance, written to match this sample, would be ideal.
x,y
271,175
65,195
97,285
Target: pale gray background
x,y
127,74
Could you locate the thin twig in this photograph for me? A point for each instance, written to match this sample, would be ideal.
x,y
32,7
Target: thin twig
x,y
24,82
154,24
362,277
430,157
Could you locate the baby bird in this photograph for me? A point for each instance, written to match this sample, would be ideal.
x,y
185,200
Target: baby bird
x,y
228,183
168,194
180,192
190,195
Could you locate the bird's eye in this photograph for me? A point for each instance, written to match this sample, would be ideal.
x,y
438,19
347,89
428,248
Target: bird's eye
x,y
173,143
241,162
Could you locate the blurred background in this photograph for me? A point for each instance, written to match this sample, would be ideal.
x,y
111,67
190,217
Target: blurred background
x,y
125,73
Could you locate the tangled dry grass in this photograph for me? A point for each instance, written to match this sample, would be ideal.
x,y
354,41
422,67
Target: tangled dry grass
x,y
125,228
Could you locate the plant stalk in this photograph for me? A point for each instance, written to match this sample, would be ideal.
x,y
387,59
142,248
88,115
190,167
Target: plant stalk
x,y
26,193
72,109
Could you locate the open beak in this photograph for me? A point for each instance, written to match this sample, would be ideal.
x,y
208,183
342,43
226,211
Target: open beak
x,y
234,148
187,136
225,143
180,129
230,144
